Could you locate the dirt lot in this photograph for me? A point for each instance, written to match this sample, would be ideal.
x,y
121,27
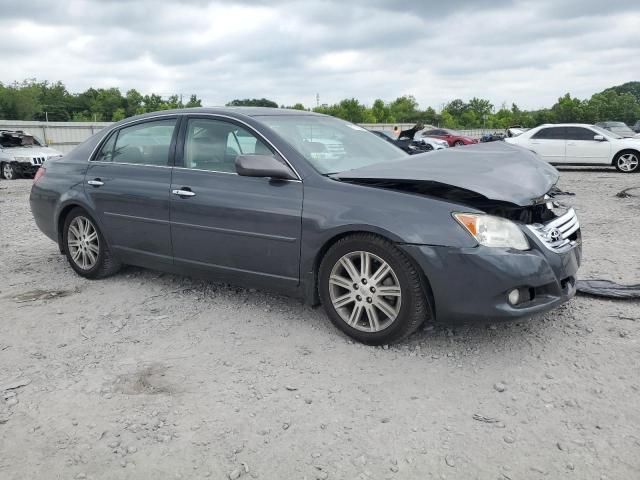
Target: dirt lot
x,y
148,375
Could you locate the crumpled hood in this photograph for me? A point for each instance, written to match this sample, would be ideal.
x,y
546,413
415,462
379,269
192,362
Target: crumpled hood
x,y
495,170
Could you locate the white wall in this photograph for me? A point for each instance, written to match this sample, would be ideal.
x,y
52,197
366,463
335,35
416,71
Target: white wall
x,y
62,136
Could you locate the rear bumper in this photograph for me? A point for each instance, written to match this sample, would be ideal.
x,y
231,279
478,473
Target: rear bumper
x,y
473,283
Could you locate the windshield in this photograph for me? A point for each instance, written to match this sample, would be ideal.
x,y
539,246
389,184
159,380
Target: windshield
x,y
606,133
622,130
17,139
332,145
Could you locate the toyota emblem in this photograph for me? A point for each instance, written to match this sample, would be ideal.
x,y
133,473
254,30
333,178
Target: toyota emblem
x,y
554,234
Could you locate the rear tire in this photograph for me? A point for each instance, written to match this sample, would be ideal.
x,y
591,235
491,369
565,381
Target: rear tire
x,y
627,161
85,246
354,296
458,143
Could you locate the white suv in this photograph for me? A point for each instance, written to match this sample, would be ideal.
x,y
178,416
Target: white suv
x,y
581,144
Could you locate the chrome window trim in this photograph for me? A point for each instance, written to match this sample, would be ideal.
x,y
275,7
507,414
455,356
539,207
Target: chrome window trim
x,y
134,164
214,115
233,173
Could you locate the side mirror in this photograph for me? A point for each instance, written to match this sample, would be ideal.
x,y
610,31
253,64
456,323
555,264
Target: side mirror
x,y
262,166
599,138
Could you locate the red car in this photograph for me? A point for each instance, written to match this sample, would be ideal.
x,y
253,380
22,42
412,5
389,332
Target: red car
x,y
453,138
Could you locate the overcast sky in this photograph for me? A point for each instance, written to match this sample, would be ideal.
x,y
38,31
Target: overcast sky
x,y
528,52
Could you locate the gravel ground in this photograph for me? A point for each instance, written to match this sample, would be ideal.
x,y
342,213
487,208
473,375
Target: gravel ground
x,y
150,375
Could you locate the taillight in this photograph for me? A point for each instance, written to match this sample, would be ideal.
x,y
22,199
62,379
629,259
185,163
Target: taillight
x,y
39,174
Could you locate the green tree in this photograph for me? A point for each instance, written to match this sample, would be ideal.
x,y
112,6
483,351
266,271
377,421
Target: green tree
x,y
404,109
134,101
568,109
480,107
253,102
194,101
296,106
118,114
447,120
456,108
381,112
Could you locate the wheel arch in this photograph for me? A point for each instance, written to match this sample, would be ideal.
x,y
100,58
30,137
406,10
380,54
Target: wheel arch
x,y
311,291
64,211
62,216
622,151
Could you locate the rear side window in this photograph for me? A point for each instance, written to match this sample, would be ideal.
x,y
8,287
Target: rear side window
x,y
579,133
551,133
142,144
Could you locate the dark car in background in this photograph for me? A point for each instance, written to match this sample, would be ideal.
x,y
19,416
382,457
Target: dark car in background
x,y
636,127
319,208
405,144
453,138
619,128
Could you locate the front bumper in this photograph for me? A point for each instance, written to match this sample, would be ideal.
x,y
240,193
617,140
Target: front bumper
x,y
473,283
25,169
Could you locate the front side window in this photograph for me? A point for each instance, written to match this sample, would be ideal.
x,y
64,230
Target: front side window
x,y
430,132
214,145
551,133
142,144
579,133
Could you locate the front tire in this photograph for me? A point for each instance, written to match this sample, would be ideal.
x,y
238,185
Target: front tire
x,y
371,290
8,171
627,162
85,246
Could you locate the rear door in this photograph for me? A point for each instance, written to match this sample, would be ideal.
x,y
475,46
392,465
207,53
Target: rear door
x,y
550,144
128,183
583,149
228,224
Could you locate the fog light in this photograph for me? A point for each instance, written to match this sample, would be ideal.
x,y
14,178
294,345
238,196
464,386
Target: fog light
x,y
514,296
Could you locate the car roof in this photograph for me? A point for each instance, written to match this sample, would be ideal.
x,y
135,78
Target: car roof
x,y
566,125
237,112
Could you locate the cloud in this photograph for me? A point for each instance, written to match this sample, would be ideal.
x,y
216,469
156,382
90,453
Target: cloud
x,y
528,52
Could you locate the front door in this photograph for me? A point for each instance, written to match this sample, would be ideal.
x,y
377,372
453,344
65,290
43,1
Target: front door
x,y
584,150
229,224
128,183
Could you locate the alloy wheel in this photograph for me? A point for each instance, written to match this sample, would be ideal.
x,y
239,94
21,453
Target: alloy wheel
x,y
365,291
83,243
627,162
7,171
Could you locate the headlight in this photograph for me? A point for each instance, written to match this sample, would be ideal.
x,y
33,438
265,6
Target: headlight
x,y
22,159
493,231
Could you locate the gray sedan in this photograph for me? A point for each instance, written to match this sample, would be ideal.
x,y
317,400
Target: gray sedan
x,y
319,208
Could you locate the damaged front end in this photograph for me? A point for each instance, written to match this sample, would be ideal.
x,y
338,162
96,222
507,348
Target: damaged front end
x,y
496,178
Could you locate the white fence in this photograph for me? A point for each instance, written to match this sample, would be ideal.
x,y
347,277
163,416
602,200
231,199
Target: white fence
x,y
63,136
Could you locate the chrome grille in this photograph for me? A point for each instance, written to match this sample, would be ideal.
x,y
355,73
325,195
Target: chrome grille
x,y
37,160
560,234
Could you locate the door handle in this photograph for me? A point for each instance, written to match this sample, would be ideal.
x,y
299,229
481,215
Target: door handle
x,y
183,192
96,182
573,144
